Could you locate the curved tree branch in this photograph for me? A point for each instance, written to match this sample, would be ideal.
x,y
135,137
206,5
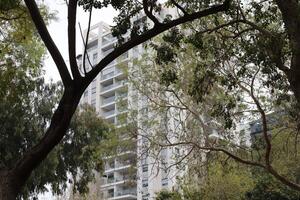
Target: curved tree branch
x,y
152,33
146,5
47,39
72,9
179,7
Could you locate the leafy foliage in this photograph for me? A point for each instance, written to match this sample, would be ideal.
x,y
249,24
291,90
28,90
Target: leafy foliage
x,y
166,195
27,104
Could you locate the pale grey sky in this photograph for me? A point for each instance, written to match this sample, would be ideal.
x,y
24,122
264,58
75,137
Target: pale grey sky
x,y
58,30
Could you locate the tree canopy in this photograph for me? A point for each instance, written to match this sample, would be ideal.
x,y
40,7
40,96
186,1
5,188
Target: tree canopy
x,y
233,16
27,104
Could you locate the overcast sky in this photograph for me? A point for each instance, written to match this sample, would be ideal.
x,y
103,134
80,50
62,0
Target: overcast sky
x,y
58,30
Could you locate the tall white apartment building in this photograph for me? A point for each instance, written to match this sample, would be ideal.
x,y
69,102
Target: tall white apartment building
x,y
131,174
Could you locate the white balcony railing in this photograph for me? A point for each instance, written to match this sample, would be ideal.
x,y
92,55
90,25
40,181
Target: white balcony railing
x,y
108,100
116,84
112,74
106,76
106,114
105,88
126,192
107,39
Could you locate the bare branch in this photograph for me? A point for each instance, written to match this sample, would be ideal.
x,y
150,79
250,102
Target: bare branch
x,y
179,7
150,34
87,39
88,58
47,39
72,9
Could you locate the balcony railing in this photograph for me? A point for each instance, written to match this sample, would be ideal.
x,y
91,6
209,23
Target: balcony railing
x,y
105,88
116,84
119,179
126,192
107,39
121,82
105,53
109,75
108,100
106,114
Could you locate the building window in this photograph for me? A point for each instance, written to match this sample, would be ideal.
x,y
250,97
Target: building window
x,y
145,196
86,93
145,183
93,103
93,90
164,182
110,193
145,168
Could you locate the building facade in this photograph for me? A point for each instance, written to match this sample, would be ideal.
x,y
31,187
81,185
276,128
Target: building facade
x,y
130,173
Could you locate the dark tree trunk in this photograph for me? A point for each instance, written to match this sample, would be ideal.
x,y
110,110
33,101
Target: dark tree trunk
x,y
9,185
12,181
291,17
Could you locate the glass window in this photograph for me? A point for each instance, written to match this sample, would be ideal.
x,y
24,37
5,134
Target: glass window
x,y
93,90
145,168
145,183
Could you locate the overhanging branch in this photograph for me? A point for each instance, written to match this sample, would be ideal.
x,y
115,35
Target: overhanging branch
x,y
152,33
47,39
72,9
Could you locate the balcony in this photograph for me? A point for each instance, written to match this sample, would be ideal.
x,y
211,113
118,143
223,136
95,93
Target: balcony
x,y
108,100
123,82
119,180
115,85
126,192
109,113
118,167
125,195
107,39
105,88
116,72
107,76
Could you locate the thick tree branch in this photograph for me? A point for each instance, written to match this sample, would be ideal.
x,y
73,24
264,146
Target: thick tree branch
x,y
149,13
179,7
291,17
72,9
54,134
152,33
47,39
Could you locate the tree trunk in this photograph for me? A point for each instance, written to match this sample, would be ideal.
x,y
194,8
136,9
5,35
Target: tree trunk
x,y
12,181
9,186
291,18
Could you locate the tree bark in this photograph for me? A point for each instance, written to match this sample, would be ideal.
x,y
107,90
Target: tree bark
x,y
291,18
9,185
12,180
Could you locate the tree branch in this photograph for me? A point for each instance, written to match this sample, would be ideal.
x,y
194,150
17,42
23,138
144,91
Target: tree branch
x,y
47,39
149,13
179,7
85,54
72,9
152,33
88,58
